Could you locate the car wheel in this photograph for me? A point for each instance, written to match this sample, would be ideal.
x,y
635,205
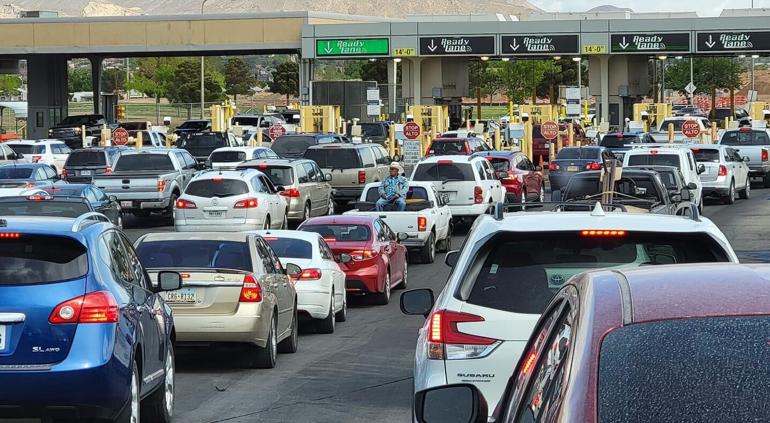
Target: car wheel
x,y
730,194
132,411
766,180
383,298
264,358
327,325
542,194
289,345
159,406
266,225
171,210
342,315
330,208
306,212
428,252
285,224
746,192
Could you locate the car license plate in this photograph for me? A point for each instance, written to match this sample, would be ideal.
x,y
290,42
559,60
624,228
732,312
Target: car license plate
x,y
126,204
572,168
2,337
85,172
215,214
182,296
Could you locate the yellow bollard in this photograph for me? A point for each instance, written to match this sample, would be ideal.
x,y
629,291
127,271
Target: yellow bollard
x,y
570,135
169,140
528,139
551,154
713,132
392,140
727,123
104,137
670,133
139,140
83,135
259,137
498,141
344,127
560,142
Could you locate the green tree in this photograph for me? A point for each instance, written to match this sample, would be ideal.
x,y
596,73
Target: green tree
x,y
79,79
186,87
10,84
286,80
154,76
375,71
711,74
558,72
239,78
519,79
113,80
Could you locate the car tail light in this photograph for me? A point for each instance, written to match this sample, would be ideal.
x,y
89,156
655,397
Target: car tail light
x,y
722,170
36,159
64,173
251,292
361,255
96,307
185,204
248,203
745,129
447,342
593,166
553,166
478,195
361,176
30,185
10,235
40,197
444,162
108,170
161,185
527,366
422,223
653,152
764,155
603,232
291,193
309,275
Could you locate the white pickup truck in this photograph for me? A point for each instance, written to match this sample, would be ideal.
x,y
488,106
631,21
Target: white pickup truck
x,y
427,218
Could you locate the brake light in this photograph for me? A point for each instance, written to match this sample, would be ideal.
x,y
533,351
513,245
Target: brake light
x,y
217,179
745,129
96,307
248,203
478,195
722,170
603,232
619,135
653,152
309,275
161,185
553,166
108,170
185,204
330,239
444,162
593,166
422,223
695,150
36,159
764,155
10,235
291,193
185,275
361,255
361,176
262,166
447,342
270,238
39,197
251,292
528,363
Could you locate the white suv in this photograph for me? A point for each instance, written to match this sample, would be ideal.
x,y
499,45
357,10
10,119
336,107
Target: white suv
x,y
679,156
54,153
510,268
470,183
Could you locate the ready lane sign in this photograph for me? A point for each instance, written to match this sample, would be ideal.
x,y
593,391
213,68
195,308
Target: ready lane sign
x,y
650,43
353,47
539,44
733,41
457,46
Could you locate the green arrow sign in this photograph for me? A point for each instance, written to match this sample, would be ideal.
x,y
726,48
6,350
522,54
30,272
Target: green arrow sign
x,y
352,47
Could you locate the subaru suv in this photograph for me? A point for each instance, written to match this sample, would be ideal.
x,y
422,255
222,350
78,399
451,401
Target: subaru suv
x,y
84,333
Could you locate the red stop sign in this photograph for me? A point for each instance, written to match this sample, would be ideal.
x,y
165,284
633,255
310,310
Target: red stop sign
x,y
120,136
550,130
411,130
276,131
690,129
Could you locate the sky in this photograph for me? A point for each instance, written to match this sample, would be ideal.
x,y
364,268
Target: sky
x,y
703,7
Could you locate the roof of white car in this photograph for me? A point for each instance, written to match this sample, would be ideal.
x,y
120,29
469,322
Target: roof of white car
x,y
424,184
244,149
648,150
311,237
194,236
454,158
33,142
227,174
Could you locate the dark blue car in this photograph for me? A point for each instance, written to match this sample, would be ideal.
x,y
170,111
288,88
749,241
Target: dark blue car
x,y
83,333
572,160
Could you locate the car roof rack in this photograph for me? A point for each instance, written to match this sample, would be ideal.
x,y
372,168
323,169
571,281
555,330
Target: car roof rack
x,y
88,219
499,209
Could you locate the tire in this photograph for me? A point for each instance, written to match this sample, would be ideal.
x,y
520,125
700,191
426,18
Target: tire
x,y
730,199
327,325
306,212
264,358
383,298
541,199
289,345
132,412
746,191
171,211
342,315
428,251
331,206
766,181
120,220
159,406
266,224
285,223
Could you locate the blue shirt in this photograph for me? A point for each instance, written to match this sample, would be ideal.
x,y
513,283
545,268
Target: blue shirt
x,y
393,185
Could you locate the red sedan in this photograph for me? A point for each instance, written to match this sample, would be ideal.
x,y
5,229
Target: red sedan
x,y
653,344
378,260
523,181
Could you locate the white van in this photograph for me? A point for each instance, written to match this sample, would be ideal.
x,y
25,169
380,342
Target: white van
x,y
679,157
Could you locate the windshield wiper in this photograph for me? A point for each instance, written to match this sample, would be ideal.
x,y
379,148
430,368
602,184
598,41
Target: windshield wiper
x,y
443,181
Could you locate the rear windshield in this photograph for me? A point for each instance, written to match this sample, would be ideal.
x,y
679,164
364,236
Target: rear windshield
x,y
372,130
578,153
221,188
340,233
414,195
443,172
617,141
32,259
228,156
521,272
43,208
677,125
195,124
293,146
627,188
706,155
654,160
668,178
200,254
11,172
137,162
745,138
87,158
445,148
695,370
27,148
290,248
208,140
335,158
279,175
245,120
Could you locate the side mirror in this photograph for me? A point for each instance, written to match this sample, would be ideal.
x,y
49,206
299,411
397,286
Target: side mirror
x,y
345,258
701,169
19,156
685,195
395,158
169,281
458,403
328,177
113,198
502,174
451,258
676,198
746,159
292,270
402,236
280,188
692,185
417,302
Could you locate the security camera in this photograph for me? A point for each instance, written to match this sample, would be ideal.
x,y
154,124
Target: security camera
x,y
525,117
645,116
766,114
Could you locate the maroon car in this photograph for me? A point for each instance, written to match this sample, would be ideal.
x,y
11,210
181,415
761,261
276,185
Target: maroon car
x,y
522,180
456,146
654,344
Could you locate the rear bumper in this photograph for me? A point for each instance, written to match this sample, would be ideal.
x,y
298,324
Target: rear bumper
x,y
363,281
221,225
559,180
314,300
468,209
347,194
133,203
759,171
415,243
246,325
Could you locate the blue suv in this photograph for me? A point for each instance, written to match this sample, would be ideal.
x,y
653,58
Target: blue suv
x,y
84,333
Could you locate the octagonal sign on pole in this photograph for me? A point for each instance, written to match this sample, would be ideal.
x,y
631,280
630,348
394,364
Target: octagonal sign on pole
x,y
411,130
690,129
120,136
550,130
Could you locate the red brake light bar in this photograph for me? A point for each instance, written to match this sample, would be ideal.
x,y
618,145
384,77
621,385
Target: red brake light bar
x,y
262,166
444,162
10,235
603,232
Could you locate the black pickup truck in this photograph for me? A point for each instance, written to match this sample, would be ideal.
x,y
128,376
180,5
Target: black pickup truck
x,y
70,129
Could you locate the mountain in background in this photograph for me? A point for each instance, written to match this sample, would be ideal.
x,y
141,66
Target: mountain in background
x,y
384,8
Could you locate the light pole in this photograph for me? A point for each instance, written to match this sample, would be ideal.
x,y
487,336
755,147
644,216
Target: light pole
x,y
203,87
753,58
579,62
663,78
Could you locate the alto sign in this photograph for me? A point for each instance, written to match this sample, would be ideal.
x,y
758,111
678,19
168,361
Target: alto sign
x,y
457,46
733,41
690,129
539,44
650,43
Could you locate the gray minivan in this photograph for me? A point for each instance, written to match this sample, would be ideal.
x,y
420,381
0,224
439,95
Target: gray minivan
x,y
352,166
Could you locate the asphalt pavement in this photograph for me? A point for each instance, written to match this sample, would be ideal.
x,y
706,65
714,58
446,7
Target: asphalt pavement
x,y
363,372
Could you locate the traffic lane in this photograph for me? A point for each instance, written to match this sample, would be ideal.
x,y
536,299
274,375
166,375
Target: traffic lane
x,y
745,224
